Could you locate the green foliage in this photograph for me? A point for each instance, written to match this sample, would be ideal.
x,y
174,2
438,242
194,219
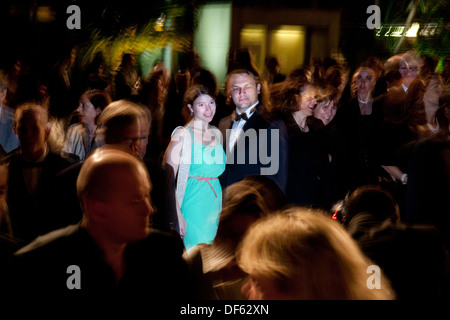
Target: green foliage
x,y
114,40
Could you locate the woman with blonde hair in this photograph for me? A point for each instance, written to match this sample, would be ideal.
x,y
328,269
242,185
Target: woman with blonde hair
x,y
303,255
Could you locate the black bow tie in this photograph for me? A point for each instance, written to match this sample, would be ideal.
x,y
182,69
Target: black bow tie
x,y
243,115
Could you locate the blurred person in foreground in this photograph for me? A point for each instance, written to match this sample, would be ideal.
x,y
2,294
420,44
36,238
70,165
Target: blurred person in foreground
x,y
429,176
8,243
113,250
303,255
412,256
212,268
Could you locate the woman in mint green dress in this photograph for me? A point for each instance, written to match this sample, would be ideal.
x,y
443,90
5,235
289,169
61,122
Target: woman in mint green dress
x,y
198,159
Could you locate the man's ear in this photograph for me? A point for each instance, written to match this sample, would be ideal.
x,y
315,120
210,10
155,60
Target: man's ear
x,y
190,108
94,209
258,87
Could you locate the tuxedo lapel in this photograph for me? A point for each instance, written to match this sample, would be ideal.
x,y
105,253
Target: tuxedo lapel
x,y
224,125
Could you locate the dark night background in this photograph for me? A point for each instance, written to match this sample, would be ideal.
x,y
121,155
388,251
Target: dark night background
x,y
41,43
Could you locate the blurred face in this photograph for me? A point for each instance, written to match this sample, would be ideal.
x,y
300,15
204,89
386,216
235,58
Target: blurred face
x,y
128,210
203,108
364,81
325,111
144,134
88,113
433,90
32,132
244,91
134,136
260,288
307,101
409,71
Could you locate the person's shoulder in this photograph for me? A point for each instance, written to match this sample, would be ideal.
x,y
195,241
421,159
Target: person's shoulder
x,y
71,170
75,128
179,132
163,236
53,241
61,161
159,240
13,156
260,119
417,229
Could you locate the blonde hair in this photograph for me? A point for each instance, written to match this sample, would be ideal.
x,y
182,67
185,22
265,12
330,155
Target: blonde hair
x,y
308,256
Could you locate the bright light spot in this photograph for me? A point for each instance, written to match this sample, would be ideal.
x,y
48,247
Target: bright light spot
x,y
412,32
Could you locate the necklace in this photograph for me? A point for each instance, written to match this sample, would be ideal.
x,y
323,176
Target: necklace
x,y
364,101
434,130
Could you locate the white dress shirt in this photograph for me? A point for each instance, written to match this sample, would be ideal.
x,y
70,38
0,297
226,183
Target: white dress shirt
x,y
236,129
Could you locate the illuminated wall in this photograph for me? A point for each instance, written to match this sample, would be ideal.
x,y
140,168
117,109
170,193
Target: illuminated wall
x,y
285,42
296,36
253,37
288,44
212,38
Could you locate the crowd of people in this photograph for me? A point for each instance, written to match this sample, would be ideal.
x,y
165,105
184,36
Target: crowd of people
x,y
278,187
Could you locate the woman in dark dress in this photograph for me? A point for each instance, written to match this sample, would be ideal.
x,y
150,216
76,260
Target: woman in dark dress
x,y
308,162
357,122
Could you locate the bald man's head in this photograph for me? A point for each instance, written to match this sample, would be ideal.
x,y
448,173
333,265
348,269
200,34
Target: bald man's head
x,y
114,191
102,170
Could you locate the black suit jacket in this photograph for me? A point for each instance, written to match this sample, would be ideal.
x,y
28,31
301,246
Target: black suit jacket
x,y
259,151
32,217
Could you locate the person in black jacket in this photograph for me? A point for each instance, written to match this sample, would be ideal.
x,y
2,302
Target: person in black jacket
x,y
113,253
413,256
251,139
32,170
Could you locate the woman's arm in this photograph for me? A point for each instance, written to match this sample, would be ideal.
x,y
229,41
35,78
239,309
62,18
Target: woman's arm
x,y
396,173
172,158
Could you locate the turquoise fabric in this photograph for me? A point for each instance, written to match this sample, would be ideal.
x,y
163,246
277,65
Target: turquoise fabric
x,y
202,200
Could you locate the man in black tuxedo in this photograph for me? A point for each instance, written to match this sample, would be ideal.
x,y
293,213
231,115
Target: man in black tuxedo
x,y
113,253
252,141
32,170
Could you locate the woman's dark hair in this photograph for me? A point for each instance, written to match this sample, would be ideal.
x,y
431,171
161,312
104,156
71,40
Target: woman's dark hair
x,y
192,93
370,199
284,95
